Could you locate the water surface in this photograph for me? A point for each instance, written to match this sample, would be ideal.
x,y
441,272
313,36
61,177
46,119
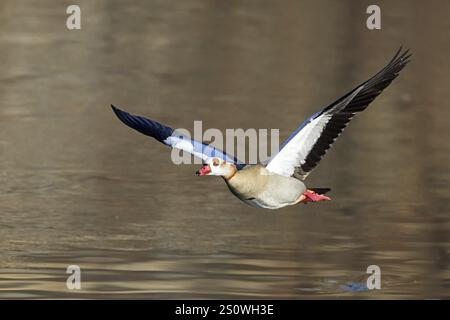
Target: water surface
x,y
77,187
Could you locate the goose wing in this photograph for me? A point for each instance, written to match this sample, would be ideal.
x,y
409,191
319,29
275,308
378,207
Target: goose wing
x,y
303,150
172,138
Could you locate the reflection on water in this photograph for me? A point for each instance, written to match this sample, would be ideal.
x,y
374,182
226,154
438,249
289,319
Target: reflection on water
x,y
77,187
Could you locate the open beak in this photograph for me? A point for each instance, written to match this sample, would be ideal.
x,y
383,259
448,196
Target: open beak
x,y
204,170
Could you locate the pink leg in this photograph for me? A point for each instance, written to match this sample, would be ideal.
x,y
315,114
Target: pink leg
x,y
311,196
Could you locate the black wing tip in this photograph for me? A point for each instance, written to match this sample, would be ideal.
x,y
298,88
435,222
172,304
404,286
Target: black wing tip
x,y
126,118
143,125
401,58
117,111
320,190
386,75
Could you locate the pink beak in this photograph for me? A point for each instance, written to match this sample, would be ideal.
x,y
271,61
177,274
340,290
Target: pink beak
x,y
204,170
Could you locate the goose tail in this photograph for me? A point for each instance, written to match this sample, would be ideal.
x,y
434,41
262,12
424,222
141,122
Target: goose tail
x,y
320,190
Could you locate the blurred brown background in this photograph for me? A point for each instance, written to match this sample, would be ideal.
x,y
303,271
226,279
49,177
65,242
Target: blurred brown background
x,y
77,187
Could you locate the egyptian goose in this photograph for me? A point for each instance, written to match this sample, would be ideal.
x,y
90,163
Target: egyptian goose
x,y
278,182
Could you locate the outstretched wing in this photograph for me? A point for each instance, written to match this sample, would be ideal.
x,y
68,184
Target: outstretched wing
x,y
172,138
303,150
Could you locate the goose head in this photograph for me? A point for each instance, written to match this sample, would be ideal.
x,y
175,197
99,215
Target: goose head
x,y
218,167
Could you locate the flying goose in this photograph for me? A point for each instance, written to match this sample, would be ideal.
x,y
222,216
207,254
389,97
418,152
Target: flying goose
x,y
279,182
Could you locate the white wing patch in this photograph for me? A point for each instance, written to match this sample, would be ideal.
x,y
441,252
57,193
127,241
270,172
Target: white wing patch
x,y
296,150
186,145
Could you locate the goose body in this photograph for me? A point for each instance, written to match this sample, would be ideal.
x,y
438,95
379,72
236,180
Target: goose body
x,y
258,187
279,182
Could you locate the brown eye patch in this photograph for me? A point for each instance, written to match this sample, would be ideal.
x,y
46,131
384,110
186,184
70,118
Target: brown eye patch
x,y
215,162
